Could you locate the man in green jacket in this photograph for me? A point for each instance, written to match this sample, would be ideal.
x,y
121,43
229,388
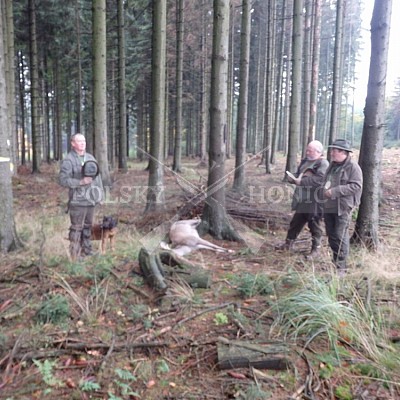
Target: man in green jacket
x,y
80,173
342,193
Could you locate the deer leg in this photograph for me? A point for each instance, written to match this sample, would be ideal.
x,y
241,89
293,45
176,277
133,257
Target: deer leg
x,y
205,244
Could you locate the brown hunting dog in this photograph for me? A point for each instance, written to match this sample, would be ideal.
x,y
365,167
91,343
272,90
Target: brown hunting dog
x,y
104,231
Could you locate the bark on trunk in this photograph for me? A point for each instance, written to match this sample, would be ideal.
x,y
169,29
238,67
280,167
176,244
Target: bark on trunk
x,y
367,224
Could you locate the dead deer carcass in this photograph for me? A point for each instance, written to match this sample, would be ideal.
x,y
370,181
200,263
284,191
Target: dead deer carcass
x,y
185,238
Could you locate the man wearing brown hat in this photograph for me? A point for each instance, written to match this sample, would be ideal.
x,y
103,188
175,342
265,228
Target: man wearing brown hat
x,y
342,193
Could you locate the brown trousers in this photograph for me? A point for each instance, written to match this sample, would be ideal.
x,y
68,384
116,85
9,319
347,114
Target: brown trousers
x,y
80,231
314,224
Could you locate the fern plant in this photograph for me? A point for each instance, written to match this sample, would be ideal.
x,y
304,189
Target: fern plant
x,y
89,386
123,383
46,370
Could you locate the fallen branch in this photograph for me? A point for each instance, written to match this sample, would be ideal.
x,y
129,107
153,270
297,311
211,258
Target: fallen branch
x,y
77,348
117,346
211,309
138,291
133,287
107,356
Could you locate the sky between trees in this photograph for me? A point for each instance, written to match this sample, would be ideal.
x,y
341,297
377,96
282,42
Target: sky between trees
x,y
362,67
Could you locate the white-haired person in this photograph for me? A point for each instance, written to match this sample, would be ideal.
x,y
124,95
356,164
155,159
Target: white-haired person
x,y
306,198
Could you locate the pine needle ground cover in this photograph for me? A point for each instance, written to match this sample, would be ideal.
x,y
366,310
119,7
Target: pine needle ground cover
x,y
95,329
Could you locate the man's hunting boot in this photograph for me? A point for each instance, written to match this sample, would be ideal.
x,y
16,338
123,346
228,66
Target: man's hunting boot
x,y
287,245
315,249
86,243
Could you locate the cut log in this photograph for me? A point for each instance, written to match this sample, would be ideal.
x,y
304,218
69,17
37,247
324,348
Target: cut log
x,y
241,354
200,280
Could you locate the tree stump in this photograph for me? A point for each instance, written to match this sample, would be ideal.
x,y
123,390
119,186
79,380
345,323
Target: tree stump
x,y
152,269
158,267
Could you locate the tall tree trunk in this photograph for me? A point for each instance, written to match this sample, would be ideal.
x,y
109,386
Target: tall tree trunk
x,y
203,90
79,70
10,78
34,69
169,144
279,92
57,112
214,218
307,78
111,115
122,137
179,75
155,193
100,89
315,69
270,94
231,89
8,236
367,224
166,112
241,131
140,118
21,91
287,65
337,73
259,92
295,102
46,90
324,116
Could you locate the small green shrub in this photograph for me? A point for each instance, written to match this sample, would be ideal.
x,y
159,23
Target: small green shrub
x,y
103,267
138,312
220,319
369,370
54,309
343,392
3,340
326,371
77,269
254,392
250,285
162,367
54,261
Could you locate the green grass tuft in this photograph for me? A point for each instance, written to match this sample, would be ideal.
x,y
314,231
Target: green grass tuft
x,y
250,285
54,309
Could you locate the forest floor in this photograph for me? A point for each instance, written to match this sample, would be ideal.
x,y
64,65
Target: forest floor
x,y
95,330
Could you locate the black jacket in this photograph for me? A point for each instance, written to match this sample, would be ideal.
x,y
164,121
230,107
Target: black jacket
x,y
305,197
